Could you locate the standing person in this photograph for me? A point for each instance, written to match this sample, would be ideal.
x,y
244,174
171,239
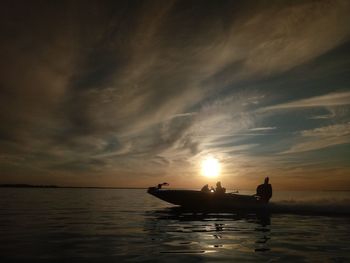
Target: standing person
x,y
264,191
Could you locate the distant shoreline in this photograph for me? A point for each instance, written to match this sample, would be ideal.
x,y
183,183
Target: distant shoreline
x,y
56,186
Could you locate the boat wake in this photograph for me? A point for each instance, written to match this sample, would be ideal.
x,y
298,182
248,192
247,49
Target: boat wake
x,y
316,207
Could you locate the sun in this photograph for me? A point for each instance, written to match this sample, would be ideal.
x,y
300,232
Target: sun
x,y
210,167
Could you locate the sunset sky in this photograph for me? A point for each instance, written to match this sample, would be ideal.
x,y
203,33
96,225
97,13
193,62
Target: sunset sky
x,y
133,93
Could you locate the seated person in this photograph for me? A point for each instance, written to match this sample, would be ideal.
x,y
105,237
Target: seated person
x,y
205,189
219,189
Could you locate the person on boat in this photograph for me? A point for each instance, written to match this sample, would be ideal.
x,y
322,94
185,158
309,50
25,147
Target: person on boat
x,y
264,191
219,189
205,189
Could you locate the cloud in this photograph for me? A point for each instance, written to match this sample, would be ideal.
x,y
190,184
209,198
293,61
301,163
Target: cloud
x,y
327,100
263,129
322,137
322,117
121,85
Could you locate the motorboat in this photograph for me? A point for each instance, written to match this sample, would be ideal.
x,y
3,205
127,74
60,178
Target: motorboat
x,y
208,200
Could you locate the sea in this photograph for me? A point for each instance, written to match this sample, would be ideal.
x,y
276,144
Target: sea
x,y
129,225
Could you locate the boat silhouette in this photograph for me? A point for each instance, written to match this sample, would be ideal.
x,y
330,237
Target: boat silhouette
x,y
208,200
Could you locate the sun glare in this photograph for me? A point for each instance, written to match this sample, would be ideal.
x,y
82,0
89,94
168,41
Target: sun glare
x,y
210,167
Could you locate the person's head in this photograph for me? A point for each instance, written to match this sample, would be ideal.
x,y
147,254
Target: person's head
x,y
218,183
266,180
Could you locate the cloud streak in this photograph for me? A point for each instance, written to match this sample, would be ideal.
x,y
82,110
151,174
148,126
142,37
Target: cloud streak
x,y
327,100
321,138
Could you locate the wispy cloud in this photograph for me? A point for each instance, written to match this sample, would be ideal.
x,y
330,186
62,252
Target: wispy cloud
x,y
187,114
327,100
322,117
263,129
322,137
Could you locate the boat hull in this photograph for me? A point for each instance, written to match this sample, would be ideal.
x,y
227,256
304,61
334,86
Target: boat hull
x,y
202,200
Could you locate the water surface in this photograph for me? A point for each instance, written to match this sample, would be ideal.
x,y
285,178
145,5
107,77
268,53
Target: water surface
x,y
91,225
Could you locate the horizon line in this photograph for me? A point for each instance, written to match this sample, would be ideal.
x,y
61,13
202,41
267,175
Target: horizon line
x,y
135,187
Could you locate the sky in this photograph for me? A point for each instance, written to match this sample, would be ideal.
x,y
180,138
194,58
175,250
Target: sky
x,y
134,93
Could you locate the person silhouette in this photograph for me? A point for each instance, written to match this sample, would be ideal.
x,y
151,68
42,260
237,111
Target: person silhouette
x,y
264,191
205,189
219,189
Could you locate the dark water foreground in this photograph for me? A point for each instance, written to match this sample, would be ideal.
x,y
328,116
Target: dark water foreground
x,y
109,225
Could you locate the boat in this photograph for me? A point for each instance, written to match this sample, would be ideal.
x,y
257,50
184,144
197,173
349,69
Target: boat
x,y
208,200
